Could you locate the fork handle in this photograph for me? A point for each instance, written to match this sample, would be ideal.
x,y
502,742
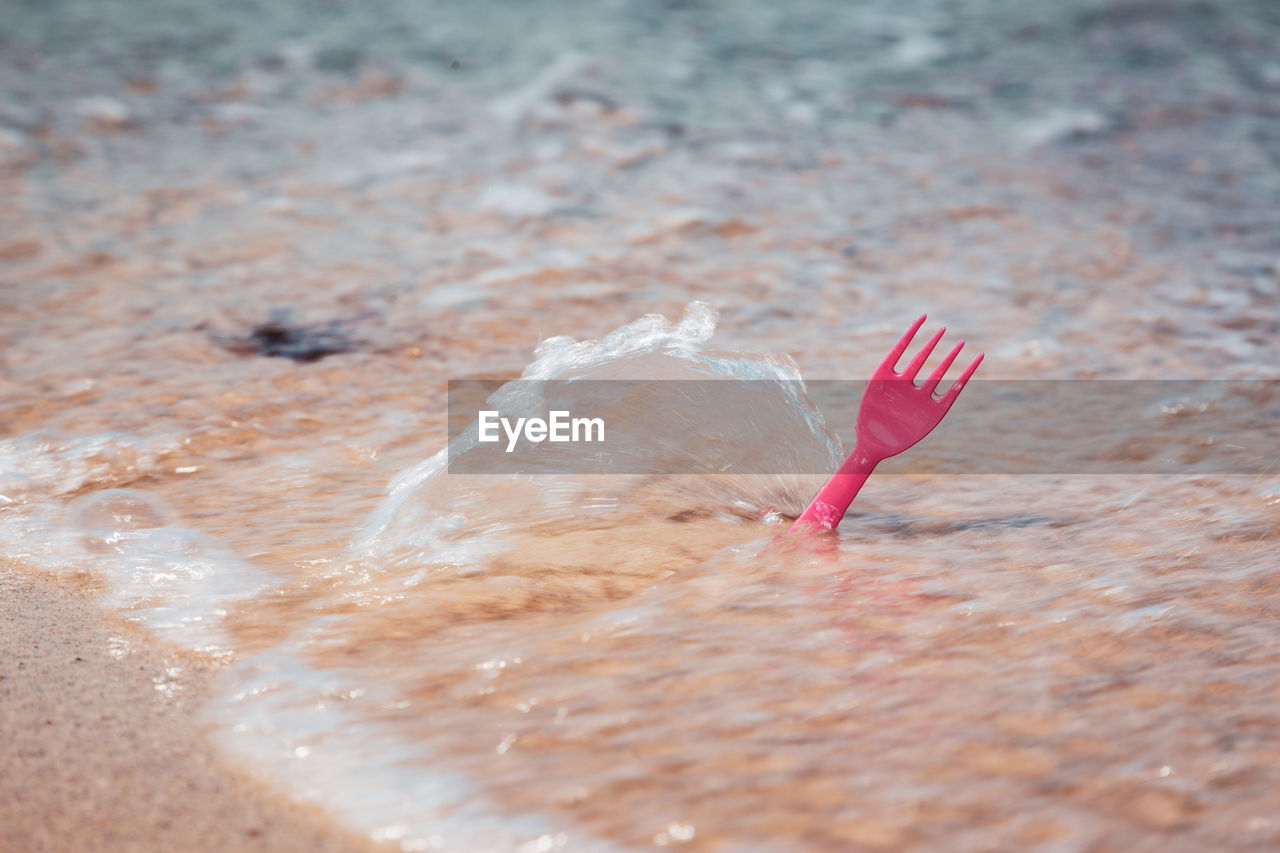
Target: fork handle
x,y
828,507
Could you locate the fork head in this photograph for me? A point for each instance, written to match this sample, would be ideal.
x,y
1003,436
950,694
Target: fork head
x,y
895,412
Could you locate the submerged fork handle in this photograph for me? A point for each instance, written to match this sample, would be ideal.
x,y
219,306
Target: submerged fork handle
x,y
832,501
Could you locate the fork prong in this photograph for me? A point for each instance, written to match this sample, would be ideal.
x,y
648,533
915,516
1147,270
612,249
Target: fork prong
x,y
918,362
941,370
958,385
891,360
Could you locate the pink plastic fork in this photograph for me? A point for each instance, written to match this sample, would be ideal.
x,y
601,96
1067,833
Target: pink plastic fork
x,y
895,414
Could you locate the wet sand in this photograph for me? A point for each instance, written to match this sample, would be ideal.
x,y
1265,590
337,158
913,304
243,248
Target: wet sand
x,y
103,748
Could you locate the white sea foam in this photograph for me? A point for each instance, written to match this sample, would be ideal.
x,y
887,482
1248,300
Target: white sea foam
x,y
170,578
45,464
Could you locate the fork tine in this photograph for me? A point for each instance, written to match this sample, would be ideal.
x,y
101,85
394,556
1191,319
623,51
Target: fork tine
x,y
918,362
958,385
941,370
891,360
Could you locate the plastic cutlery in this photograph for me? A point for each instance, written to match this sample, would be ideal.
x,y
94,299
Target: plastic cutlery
x,y
895,414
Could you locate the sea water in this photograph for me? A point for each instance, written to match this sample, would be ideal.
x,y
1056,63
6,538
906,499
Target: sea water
x,y
1061,660
552,662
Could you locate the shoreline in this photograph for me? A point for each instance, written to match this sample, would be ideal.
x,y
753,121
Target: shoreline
x,y
104,748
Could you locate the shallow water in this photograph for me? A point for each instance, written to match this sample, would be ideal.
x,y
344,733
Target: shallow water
x,y
1058,661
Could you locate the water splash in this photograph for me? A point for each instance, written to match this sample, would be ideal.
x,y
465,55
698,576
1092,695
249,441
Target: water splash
x,y
459,521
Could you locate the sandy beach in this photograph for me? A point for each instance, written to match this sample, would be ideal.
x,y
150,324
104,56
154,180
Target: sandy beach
x,y
245,605
103,746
